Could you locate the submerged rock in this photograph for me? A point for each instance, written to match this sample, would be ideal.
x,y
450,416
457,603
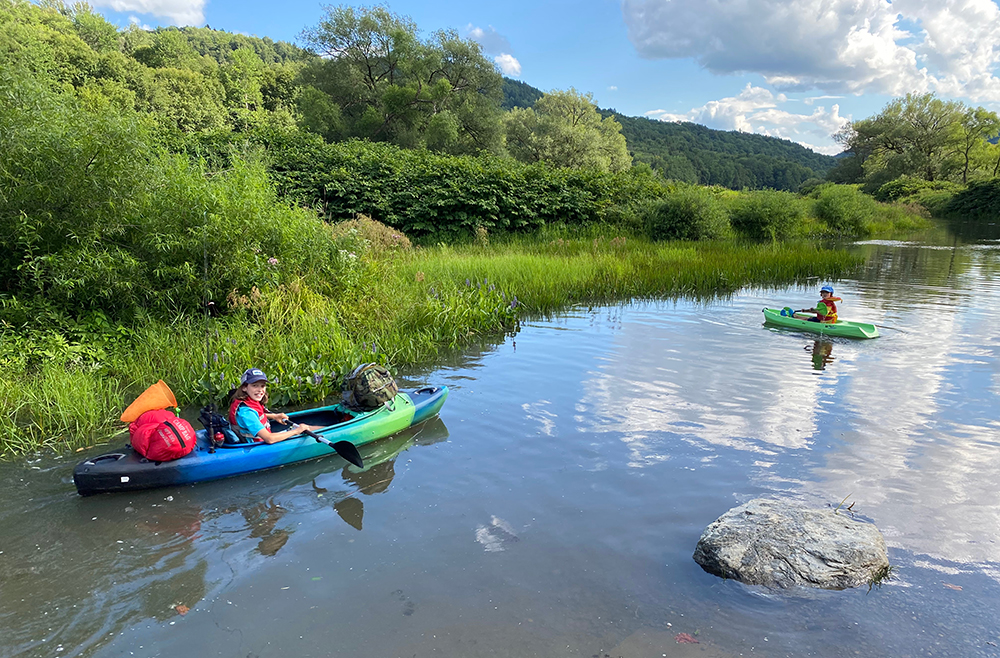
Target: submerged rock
x,y
782,544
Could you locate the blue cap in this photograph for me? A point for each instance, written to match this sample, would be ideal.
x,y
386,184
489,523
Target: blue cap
x,y
253,375
828,289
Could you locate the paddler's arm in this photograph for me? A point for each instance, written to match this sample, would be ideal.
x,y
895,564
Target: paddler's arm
x,y
281,418
268,436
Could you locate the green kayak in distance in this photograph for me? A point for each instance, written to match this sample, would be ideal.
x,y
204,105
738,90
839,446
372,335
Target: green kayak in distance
x,y
843,328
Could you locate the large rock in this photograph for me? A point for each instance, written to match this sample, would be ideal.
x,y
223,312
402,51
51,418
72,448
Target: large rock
x,y
781,544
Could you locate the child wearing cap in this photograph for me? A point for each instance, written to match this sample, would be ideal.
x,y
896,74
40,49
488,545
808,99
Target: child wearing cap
x,y
826,307
250,418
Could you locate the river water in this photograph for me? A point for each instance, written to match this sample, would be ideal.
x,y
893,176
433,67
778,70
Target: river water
x,y
553,508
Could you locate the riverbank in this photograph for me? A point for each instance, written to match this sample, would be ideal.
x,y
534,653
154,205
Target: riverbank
x,y
65,388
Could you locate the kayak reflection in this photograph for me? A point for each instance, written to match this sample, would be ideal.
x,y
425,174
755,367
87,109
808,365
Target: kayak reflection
x,y
379,471
822,354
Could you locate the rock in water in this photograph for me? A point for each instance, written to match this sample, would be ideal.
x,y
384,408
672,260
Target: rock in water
x,y
781,544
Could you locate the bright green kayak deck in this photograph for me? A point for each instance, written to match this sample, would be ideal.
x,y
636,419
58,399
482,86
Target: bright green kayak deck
x,y
843,328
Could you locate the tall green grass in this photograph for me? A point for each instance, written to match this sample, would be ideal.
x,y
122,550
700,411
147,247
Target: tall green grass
x,y
406,309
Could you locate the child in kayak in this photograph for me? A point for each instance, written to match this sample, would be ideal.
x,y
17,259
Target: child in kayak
x,y
826,307
248,416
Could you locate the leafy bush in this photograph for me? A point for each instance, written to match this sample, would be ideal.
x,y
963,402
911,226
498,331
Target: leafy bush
x,y
845,209
378,237
98,217
980,201
766,214
809,185
907,186
689,213
440,197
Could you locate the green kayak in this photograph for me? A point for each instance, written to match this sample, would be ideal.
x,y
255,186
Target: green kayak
x,y
843,328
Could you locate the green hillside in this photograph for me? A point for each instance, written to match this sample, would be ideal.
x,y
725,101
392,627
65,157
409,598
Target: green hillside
x,y
737,160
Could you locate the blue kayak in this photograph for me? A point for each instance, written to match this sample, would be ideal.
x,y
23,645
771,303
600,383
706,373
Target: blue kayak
x,y
127,470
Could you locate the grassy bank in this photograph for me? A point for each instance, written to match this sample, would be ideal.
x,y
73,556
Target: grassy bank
x,y
66,389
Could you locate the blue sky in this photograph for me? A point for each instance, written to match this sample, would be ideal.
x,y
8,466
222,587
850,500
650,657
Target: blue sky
x,y
797,69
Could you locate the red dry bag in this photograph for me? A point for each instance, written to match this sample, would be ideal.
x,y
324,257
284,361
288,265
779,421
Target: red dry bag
x,y
160,436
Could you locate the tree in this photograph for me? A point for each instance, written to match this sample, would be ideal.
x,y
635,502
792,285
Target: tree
x,y
565,128
391,86
974,128
913,135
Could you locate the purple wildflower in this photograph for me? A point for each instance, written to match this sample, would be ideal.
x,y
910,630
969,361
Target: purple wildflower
x,y
317,378
272,261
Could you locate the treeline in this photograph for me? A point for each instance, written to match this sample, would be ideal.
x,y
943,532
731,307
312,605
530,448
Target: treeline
x,y
942,155
385,84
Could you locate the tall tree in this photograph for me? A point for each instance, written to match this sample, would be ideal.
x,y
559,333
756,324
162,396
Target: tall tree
x,y
389,85
973,130
565,128
912,135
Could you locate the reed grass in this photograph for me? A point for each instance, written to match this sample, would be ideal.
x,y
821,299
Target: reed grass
x,y
404,311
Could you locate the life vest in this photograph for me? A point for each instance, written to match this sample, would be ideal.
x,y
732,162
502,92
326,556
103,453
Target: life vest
x,y
831,307
256,406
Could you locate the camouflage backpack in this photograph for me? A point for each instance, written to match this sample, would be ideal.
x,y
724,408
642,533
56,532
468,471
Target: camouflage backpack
x,y
369,387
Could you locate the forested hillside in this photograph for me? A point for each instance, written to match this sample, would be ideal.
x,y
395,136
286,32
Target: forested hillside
x,y
737,160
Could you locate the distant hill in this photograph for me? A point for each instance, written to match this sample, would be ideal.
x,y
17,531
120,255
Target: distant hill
x,y
519,94
696,154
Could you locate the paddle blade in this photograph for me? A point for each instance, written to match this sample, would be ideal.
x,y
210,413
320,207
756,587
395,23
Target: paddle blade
x,y
157,396
348,451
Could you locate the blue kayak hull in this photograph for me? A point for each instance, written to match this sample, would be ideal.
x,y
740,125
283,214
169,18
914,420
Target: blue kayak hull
x,y
127,470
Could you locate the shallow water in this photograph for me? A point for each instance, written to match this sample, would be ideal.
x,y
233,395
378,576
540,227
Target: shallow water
x,y
553,508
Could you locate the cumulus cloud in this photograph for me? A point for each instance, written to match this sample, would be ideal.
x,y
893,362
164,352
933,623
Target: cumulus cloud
x,y
612,88
758,110
508,64
179,12
493,42
135,20
836,46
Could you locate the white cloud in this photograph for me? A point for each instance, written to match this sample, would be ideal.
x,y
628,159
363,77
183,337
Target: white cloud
x,y
837,46
493,42
135,20
180,12
757,110
508,64
612,88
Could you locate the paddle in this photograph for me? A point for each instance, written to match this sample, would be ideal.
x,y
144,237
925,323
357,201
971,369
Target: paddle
x,y
345,449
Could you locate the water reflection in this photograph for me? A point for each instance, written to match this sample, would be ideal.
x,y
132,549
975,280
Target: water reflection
x,y
822,354
86,568
262,520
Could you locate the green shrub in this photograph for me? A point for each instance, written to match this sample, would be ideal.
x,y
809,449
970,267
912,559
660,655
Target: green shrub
x,y
809,185
689,213
980,201
98,217
436,198
766,214
845,209
907,186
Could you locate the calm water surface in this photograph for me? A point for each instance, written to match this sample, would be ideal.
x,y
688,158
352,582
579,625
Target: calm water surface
x,y
553,508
